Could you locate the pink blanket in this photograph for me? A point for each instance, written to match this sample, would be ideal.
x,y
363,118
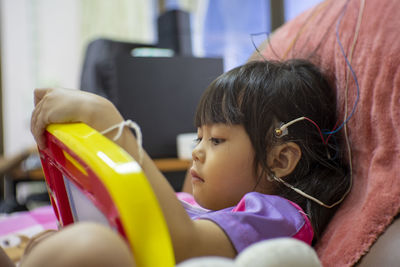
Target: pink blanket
x,y
374,130
28,223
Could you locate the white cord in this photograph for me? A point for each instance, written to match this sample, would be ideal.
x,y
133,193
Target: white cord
x,y
283,129
307,195
133,125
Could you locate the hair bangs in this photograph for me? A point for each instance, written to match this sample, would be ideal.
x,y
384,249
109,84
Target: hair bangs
x,y
219,103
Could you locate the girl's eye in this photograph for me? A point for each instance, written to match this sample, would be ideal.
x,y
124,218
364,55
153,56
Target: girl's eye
x,y
197,140
216,141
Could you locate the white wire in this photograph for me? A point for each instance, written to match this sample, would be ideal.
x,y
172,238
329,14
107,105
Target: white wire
x,y
133,125
307,195
285,126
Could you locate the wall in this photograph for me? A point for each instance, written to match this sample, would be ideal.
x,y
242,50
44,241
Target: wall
x,y
43,42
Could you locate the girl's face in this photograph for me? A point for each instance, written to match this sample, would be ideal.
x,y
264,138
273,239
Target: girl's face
x,y
223,170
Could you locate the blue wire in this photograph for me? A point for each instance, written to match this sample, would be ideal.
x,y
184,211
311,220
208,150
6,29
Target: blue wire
x,y
351,69
252,35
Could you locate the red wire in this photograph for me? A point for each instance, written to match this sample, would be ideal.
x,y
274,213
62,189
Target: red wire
x,y
325,142
320,132
329,136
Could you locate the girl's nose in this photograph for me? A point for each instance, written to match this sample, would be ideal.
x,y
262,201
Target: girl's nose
x,y
198,154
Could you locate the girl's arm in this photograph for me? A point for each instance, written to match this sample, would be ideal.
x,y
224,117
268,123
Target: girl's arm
x,y
189,238
5,261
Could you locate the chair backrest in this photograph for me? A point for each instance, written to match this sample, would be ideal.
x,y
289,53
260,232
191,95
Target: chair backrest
x,y
90,178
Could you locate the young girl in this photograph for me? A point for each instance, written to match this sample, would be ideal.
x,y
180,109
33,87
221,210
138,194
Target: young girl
x,y
262,167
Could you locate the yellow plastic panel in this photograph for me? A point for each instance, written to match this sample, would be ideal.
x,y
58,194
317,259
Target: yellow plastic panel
x,y
141,216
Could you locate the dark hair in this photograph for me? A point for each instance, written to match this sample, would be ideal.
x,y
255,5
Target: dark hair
x,y
262,95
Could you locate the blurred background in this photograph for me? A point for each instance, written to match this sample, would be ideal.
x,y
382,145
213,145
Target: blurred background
x,y
44,43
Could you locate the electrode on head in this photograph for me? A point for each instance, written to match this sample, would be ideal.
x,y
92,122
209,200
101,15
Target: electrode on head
x,y
281,131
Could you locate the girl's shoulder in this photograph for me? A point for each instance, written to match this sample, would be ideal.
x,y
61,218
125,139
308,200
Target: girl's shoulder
x,y
258,217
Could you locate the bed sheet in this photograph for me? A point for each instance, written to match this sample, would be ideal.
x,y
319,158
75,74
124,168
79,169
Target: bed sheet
x,y
16,229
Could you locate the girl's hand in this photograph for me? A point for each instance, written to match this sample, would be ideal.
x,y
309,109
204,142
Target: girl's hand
x,y
66,105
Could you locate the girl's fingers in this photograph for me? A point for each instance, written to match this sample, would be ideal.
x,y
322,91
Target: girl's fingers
x,y
51,106
39,121
63,105
37,131
34,116
39,93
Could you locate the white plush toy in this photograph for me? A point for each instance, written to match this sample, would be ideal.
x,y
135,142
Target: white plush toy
x,y
278,252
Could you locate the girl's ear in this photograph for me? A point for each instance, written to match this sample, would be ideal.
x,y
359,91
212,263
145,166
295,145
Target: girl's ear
x,y
282,159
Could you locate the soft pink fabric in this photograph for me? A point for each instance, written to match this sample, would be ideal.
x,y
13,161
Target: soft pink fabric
x,y
241,206
187,198
307,232
374,130
28,222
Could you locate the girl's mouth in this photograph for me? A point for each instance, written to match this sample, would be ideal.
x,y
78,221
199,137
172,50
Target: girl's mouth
x,y
195,176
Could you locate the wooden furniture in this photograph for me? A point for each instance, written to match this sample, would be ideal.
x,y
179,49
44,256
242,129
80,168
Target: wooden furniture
x,y
11,167
164,165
